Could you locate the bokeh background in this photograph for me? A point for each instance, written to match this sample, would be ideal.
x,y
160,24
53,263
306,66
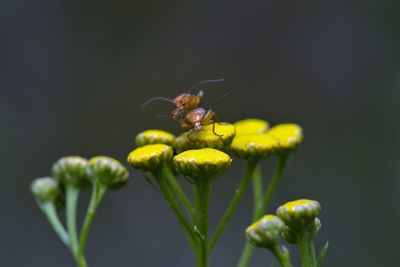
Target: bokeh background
x,y
73,75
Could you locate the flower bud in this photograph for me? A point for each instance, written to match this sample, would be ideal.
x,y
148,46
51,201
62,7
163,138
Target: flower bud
x,y
299,214
45,189
254,146
265,232
182,143
216,135
150,157
202,163
149,137
290,236
250,126
110,172
289,135
71,170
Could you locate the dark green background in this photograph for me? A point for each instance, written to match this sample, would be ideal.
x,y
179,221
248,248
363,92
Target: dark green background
x,y
73,75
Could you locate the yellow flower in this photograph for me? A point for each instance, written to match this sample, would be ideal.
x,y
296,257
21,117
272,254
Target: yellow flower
x,y
149,137
250,126
254,146
182,143
299,214
109,171
150,157
215,135
289,135
202,163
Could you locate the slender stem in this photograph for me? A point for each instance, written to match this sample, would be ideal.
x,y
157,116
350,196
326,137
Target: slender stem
x,y
201,202
282,254
252,166
302,239
257,191
72,194
177,189
311,247
98,192
49,210
248,248
169,196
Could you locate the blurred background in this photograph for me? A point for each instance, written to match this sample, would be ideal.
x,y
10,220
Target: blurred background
x,y
73,75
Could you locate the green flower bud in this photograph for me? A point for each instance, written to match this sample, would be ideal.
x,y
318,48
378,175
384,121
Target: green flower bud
x,y
150,157
250,126
45,189
216,135
201,163
289,135
299,214
265,232
149,137
109,171
254,146
71,170
290,236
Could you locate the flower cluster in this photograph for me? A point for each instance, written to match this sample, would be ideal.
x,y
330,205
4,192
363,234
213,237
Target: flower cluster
x,y
71,175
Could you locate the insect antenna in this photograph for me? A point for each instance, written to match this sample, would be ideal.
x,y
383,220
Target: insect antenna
x,y
220,98
157,98
204,82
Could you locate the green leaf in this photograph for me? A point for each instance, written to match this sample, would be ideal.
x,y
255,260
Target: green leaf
x,y
322,254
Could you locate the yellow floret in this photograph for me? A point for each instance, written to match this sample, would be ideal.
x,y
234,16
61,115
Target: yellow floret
x,y
254,146
289,135
150,157
154,137
251,126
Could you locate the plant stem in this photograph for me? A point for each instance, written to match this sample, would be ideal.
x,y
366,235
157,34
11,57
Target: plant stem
x,y
72,194
282,254
98,192
169,196
177,189
257,190
311,247
248,248
201,202
303,243
50,211
252,166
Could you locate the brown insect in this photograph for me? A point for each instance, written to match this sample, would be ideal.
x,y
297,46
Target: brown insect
x,y
197,118
185,102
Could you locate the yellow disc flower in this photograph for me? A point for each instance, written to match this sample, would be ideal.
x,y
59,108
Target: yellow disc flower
x,y
251,126
150,157
182,143
202,163
254,146
289,135
216,135
299,214
149,137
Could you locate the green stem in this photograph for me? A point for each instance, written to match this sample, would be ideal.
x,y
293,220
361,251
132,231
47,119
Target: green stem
x,y
282,254
72,194
169,196
303,243
49,210
252,167
201,203
311,247
177,189
257,190
98,193
248,248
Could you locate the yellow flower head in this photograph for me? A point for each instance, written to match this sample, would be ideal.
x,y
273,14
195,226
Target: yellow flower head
x,y
265,232
289,135
216,135
299,214
150,157
149,137
182,143
254,146
109,171
250,126
202,163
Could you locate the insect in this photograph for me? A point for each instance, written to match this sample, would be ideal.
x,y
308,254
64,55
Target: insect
x,y
184,102
197,118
